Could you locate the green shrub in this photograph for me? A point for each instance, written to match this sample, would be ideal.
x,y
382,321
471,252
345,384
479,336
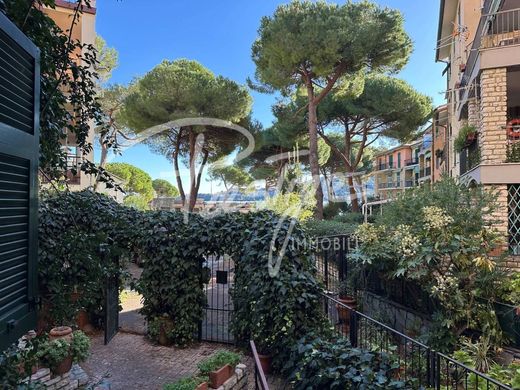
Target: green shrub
x,y
53,352
323,228
80,346
218,360
190,383
318,363
350,218
439,238
333,209
460,141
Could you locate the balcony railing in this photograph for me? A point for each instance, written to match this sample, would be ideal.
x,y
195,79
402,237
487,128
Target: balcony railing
x,y
409,183
502,29
382,167
72,173
425,172
469,158
413,161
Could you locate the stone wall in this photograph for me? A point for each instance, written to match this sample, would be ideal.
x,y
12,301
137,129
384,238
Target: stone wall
x,y
396,316
493,110
73,379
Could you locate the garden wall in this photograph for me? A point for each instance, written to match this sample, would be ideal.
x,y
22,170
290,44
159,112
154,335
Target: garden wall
x,y
396,316
73,379
237,381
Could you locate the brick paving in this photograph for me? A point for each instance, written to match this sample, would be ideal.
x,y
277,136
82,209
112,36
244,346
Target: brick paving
x,y
132,362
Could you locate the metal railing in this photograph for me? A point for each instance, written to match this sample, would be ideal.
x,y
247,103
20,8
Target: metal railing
x,y
413,161
469,157
513,143
260,379
502,29
418,364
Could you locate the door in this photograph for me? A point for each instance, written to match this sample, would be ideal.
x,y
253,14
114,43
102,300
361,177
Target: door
x,y
19,148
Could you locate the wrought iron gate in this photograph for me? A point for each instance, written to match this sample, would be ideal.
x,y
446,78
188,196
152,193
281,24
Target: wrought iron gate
x,y
217,317
331,255
111,320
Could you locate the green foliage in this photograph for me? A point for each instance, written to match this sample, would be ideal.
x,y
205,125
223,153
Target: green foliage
x,y
190,383
513,152
52,353
508,375
231,176
164,188
276,300
291,204
67,80
320,37
440,238
18,360
218,360
80,235
80,346
136,181
461,141
325,364
172,274
323,228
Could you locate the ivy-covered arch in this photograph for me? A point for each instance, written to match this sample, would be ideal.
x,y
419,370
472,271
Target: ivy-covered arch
x,y
276,309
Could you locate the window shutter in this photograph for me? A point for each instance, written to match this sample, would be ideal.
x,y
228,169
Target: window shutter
x,y
19,149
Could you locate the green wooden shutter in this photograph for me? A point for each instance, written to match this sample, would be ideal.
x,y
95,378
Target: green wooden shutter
x,y
19,148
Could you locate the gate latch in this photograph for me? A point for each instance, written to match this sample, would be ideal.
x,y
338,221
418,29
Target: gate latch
x,y
222,277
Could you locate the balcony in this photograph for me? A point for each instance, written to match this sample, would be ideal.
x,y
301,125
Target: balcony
x,y
72,174
503,29
513,144
382,167
469,158
424,173
410,162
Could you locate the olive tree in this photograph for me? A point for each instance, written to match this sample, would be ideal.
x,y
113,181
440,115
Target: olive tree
x,y
319,47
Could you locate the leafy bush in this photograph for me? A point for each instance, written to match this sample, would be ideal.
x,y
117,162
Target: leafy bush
x,y
276,299
53,352
292,204
80,235
171,282
325,364
18,360
440,238
333,209
460,141
323,228
80,346
190,383
218,360
350,218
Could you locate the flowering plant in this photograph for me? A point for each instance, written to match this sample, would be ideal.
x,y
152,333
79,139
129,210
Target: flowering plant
x,y
440,238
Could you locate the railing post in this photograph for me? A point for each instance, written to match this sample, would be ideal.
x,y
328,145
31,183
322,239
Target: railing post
x,y
430,368
353,328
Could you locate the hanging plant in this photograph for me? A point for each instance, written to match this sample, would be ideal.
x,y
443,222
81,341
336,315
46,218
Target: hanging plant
x,y
467,135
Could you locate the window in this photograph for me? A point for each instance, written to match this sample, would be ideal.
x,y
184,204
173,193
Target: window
x,y
391,161
513,201
399,160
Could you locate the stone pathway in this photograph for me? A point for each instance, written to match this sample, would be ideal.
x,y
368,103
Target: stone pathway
x,y
132,362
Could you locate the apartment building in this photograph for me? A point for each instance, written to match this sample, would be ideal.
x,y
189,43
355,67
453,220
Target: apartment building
x,y
479,41
396,169
85,32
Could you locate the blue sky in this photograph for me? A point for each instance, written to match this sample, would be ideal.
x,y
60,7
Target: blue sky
x,y
219,34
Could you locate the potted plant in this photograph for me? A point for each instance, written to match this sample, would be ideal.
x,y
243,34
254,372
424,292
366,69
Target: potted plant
x,y
190,383
219,367
62,349
467,135
160,330
346,297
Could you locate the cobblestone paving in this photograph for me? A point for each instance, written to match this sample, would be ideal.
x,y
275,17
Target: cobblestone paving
x,y
132,362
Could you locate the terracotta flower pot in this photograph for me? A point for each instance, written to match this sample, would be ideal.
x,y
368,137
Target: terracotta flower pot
x,y
218,377
63,367
202,386
266,363
61,332
83,322
344,313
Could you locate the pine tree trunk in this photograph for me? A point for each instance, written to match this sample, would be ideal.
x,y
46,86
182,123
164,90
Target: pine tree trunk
x,y
313,154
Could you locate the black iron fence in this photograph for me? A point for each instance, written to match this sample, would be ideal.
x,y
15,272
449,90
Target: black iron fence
x,y
418,364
